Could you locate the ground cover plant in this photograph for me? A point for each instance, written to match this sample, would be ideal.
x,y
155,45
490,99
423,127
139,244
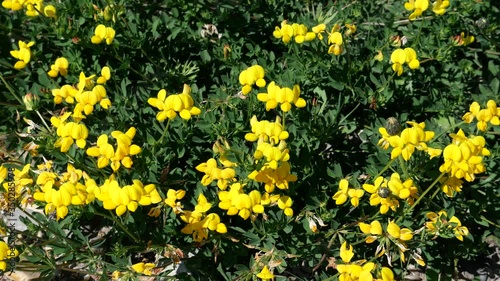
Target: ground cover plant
x,y
249,140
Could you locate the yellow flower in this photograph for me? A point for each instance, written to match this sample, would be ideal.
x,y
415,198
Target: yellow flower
x,y
265,274
284,203
490,115
59,67
439,7
285,33
374,230
13,5
6,253
335,41
103,33
417,6
250,76
105,75
346,252
170,105
33,7
395,231
23,54
50,11
144,268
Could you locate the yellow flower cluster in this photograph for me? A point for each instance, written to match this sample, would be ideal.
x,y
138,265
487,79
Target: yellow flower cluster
x,y
128,197
69,132
237,202
199,223
23,54
345,192
6,253
62,191
250,76
172,197
170,105
268,131
297,31
59,67
463,156
359,270
89,95
33,7
401,56
489,114
284,96
440,225
19,186
387,192
408,140
124,149
213,172
103,33
417,7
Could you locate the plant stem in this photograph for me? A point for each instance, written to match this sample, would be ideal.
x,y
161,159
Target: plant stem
x,y
421,197
120,224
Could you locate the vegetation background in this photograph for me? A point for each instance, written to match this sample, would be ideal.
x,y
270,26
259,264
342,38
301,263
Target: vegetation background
x,y
350,89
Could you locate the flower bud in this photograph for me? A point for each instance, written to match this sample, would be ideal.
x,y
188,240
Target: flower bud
x,y
50,11
379,56
396,41
31,101
392,126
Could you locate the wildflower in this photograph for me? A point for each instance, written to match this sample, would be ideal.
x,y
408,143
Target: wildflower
x,y
450,186
463,156
385,200
144,268
212,172
198,223
410,139
172,197
50,11
386,274
33,7
103,33
335,41
319,30
284,203
59,67
439,225
301,34
401,56
439,7
13,5
6,253
105,75
69,132
351,29
395,231
490,114
268,131
265,274
285,33
250,76
346,252
374,230
462,40
170,105
345,192
285,96
417,7
23,54
273,177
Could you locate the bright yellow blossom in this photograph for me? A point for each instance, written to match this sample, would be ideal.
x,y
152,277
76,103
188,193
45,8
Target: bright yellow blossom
x,y
102,33
59,67
417,7
23,54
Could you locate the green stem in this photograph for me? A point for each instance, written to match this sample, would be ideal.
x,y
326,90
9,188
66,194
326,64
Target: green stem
x,y
11,90
385,168
163,134
120,224
421,197
403,167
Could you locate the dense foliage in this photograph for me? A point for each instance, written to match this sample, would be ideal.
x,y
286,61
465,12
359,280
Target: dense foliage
x,y
247,140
